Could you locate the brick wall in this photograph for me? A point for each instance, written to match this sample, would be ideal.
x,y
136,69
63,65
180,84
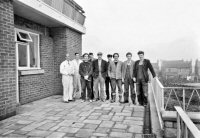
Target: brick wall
x,y
53,46
170,129
65,41
7,61
34,87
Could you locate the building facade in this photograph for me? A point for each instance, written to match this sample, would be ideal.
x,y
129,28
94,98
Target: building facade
x,y
176,69
35,35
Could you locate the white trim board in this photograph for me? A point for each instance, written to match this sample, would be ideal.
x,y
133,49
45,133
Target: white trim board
x,y
48,11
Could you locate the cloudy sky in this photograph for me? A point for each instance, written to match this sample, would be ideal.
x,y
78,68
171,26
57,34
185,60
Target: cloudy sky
x,y
163,29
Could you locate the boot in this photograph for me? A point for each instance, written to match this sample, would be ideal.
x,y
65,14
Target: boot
x,y
126,97
120,98
140,100
145,102
133,98
113,97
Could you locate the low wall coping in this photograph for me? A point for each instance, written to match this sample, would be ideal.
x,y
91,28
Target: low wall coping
x,y
172,116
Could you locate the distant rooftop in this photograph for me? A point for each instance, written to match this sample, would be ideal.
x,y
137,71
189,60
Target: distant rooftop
x,y
176,64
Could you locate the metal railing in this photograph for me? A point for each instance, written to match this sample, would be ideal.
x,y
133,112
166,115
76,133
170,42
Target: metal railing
x,y
185,125
69,8
182,96
168,97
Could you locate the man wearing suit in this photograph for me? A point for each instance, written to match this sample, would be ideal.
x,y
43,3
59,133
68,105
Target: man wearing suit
x,y
127,78
141,77
115,73
100,69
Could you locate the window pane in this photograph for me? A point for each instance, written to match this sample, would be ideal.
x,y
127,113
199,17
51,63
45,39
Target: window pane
x,y
34,51
24,36
22,55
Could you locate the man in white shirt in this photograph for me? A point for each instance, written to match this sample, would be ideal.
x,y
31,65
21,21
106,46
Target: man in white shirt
x,y
77,83
67,70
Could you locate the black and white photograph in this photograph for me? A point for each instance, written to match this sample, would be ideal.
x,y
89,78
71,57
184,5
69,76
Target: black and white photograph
x,y
99,69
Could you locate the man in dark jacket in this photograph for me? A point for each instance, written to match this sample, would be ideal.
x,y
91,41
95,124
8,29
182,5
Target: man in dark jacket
x,y
100,69
140,75
85,71
108,82
91,59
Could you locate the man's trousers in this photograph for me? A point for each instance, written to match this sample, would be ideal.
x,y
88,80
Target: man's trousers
x,y
67,82
142,91
77,85
99,80
118,83
108,83
86,84
128,82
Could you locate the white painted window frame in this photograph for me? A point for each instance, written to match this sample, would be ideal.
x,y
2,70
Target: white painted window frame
x,y
29,37
28,51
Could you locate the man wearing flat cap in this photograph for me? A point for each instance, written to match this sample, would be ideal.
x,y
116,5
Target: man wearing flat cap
x,y
100,68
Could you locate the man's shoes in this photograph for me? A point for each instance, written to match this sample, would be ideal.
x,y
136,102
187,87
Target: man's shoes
x,y
103,100
72,100
112,100
120,99
133,103
83,101
125,102
145,104
95,100
66,101
90,101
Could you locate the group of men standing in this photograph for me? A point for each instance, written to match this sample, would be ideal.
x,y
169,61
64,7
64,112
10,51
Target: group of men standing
x,y
92,74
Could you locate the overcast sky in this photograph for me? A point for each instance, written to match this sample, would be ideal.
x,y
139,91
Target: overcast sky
x,y
163,29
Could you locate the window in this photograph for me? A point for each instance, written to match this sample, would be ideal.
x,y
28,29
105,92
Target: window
x,y
24,36
27,47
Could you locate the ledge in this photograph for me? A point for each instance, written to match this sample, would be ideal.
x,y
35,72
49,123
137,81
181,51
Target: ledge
x,y
42,13
31,72
171,116
156,126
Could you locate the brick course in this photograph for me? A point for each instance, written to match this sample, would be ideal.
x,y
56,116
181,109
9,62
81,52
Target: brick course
x,y
7,61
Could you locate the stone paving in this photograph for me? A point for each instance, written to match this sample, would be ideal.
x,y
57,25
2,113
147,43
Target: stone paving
x,y
51,118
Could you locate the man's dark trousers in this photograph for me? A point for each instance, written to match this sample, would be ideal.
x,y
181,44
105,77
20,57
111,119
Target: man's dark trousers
x,y
107,82
86,84
92,88
142,91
